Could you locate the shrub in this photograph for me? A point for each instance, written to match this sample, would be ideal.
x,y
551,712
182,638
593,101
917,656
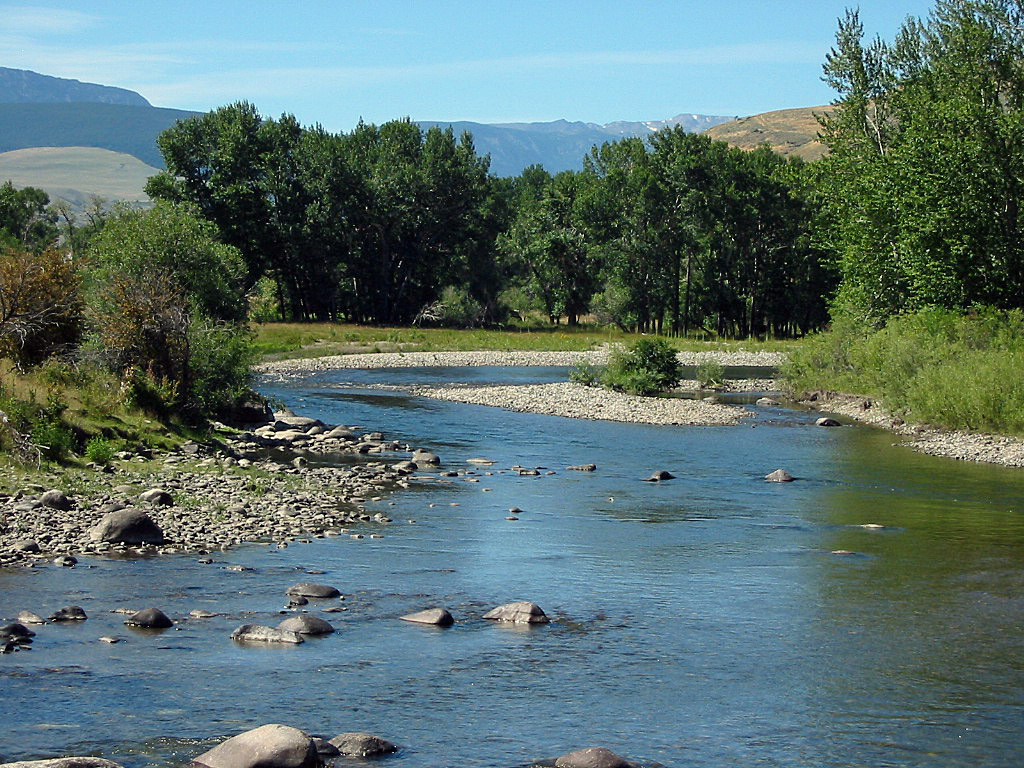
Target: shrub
x,y
648,367
710,373
455,309
585,373
99,450
54,439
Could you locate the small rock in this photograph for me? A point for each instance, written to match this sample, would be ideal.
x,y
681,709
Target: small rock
x,y
257,633
766,402
523,612
306,625
659,476
592,757
27,617
55,499
29,546
424,457
826,421
69,613
149,618
110,639
779,476
305,589
362,745
199,613
157,496
584,468
436,616
65,561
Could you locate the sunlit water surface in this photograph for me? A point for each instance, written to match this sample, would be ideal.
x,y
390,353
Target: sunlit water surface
x,y
703,621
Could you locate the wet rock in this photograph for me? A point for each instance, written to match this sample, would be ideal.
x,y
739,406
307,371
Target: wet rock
x,y
826,421
779,476
522,612
529,472
481,462
64,762
424,457
284,423
16,631
65,561
305,589
258,633
127,526
362,745
593,757
306,625
157,496
766,402
324,748
199,613
29,546
296,601
149,618
659,476
69,613
437,616
110,640
27,617
269,746
583,468
55,499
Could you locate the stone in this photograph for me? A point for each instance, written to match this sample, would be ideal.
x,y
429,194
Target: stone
x,y
65,561
64,762
306,625
424,457
324,748
285,423
110,640
659,476
16,631
157,496
69,613
305,589
523,612
127,526
258,633
826,421
55,500
27,617
583,468
362,745
199,613
149,618
269,746
437,616
592,757
28,546
766,402
779,476
481,462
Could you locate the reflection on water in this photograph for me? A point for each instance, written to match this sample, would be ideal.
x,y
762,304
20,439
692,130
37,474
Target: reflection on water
x,y
701,621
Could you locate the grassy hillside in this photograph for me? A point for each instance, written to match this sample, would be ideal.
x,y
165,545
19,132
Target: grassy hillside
x,y
76,173
787,131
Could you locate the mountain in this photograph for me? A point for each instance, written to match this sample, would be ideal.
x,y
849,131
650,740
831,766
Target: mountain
x,y
77,173
20,86
787,131
558,145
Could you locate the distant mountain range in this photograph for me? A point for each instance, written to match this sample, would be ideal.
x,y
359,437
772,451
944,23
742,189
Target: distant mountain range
x,y
38,111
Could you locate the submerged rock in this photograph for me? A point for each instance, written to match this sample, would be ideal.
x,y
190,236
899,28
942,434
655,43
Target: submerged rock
x,y
593,757
659,476
306,625
149,618
69,613
779,476
437,616
305,589
258,633
64,762
269,746
522,612
583,468
362,745
826,421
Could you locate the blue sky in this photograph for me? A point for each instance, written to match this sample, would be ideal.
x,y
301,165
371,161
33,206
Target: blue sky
x,y
487,61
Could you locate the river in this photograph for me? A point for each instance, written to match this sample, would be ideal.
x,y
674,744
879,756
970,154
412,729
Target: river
x,y
702,621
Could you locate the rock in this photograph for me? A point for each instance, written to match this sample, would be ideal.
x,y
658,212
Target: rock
x,y
529,472
362,745
305,589
300,462
324,748
584,468
518,613
306,625
437,616
127,526
29,546
481,461
55,500
659,476
269,746
592,757
157,496
64,762
69,613
110,640
284,423
199,613
149,618
297,600
15,631
766,402
65,561
423,457
779,476
826,421
27,617
257,633
250,410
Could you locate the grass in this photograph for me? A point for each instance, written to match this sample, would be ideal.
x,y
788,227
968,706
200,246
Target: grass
x,y
276,341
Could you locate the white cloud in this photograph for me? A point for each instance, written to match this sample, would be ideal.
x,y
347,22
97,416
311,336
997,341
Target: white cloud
x,y
30,20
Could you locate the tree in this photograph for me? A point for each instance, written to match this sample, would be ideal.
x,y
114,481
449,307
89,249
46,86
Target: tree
x,y
25,218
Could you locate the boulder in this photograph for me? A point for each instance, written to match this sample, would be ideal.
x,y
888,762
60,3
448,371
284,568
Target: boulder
x,y
69,613
826,421
324,748
16,631
583,468
362,745
305,589
269,746
592,757
523,612
283,423
27,617
779,476
340,433
425,457
766,402
659,476
306,625
127,526
55,500
64,762
439,617
250,410
257,633
28,546
65,561
149,618
157,496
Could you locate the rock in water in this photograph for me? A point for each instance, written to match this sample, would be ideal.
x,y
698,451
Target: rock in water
x,y
437,616
127,526
779,476
523,612
659,476
257,633
826,421
306,589
269,746
306,625
64,762
362,745
149,618
592,757
69,613
425,457
27,617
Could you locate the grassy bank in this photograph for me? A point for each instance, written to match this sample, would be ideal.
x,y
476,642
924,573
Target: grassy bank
x,y
933,367
277,341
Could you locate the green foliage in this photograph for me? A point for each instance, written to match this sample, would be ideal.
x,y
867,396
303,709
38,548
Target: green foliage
x,y
456,308
221,365
710,373
25,219
41,423
100,450
648,367
586,373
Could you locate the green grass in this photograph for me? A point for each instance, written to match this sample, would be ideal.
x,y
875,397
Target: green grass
x,y
275,341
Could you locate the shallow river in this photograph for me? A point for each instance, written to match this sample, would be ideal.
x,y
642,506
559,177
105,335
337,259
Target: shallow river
x,y
703,621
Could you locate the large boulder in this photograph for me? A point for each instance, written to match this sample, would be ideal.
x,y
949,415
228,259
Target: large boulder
x,y
438,617
362,745
306,625
127,526
269,746
523,612
305,589
158,497
55,499
826,421
64,762
149,618
425,457
283,423
258,633
69,613
593,757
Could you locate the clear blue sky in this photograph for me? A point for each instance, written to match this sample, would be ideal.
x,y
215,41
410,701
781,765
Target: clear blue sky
x,y
485,60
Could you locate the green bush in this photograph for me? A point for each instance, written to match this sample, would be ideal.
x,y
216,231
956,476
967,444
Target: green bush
x,y
99,450
648,367
54,439
710,373
586,373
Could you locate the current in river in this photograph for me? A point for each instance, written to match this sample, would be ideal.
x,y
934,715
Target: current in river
x,y
703,621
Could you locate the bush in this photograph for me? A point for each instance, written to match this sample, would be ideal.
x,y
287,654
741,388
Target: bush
x,y
585,373
99,450
710,373
455,309
54,439
648,367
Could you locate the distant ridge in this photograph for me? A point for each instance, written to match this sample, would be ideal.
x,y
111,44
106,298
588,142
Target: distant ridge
x,y
20,86
787,131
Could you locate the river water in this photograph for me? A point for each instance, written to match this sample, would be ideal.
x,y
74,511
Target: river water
x,y
703,621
